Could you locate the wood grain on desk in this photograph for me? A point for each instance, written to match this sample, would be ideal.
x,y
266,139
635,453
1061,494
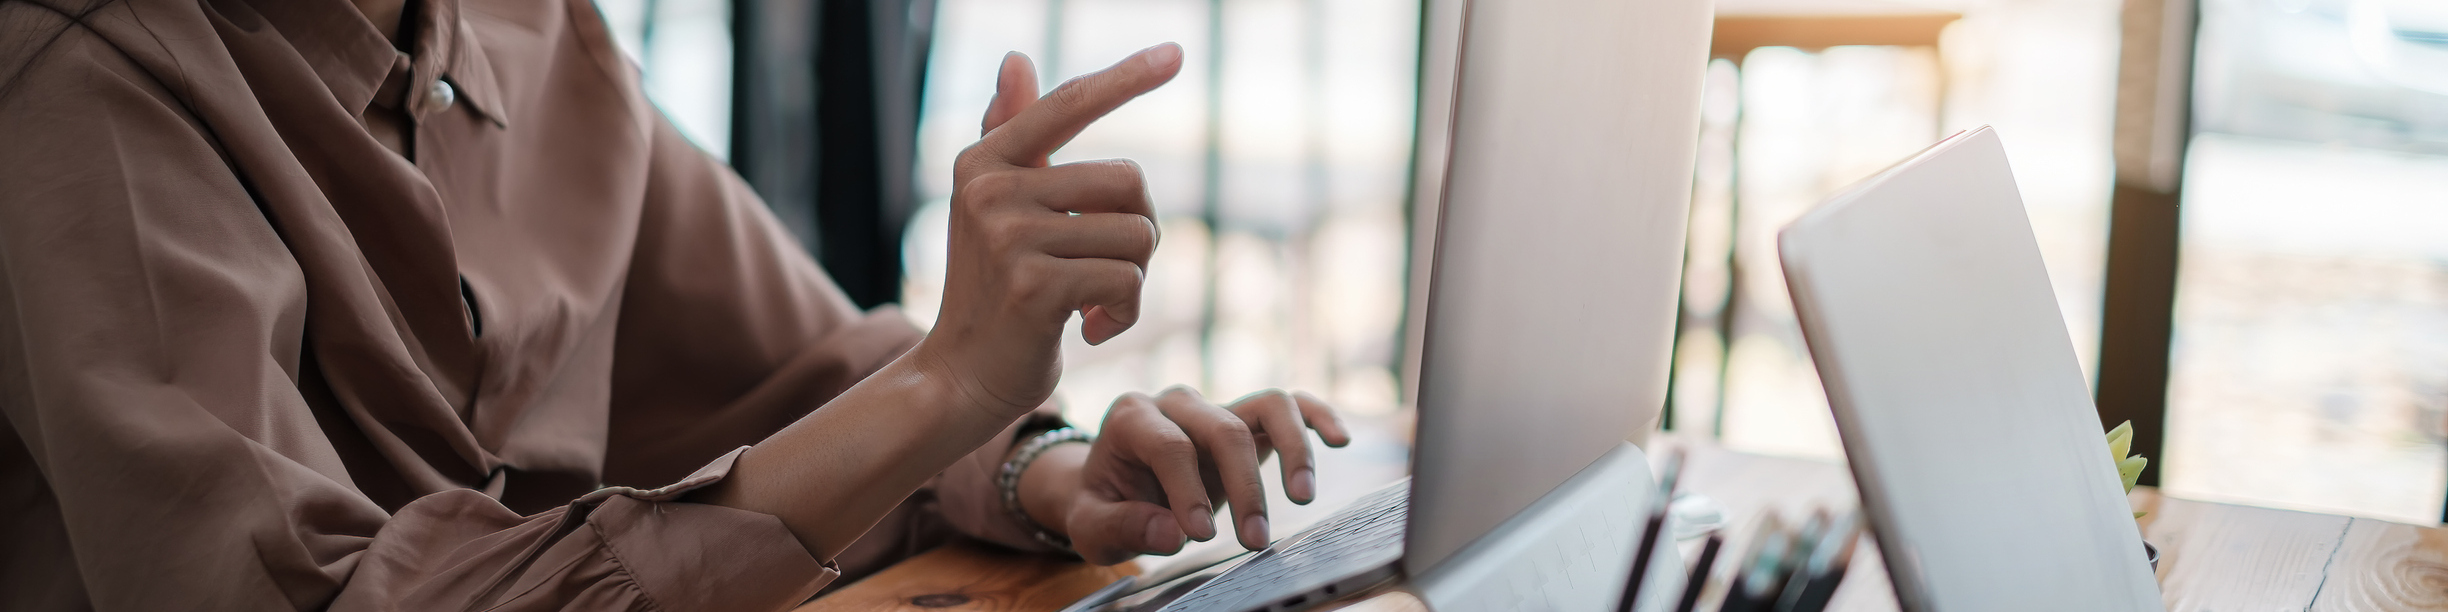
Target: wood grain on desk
x,y
2213,556
967,576
2387,566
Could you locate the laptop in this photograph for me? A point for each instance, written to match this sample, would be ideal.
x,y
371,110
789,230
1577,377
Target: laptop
x,y
1964,414
1549,322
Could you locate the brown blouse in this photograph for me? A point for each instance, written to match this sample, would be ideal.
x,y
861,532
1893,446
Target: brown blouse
x,y
252,359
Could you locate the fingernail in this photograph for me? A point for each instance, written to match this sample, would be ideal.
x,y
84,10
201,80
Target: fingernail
x,y
1254,531
1302,485
1162,55
1159,537
1202,520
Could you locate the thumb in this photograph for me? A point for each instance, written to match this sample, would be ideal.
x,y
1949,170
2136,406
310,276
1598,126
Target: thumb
x,y
1099,324
1110,532
1015,90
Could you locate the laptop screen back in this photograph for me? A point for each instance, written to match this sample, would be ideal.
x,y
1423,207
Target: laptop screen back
x,y
1552,299
1964,413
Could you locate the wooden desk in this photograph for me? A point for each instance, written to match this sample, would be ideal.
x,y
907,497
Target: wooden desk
x,y
2213,557
2229,557
972,577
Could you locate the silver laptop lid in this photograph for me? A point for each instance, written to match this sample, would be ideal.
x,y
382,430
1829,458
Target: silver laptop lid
x,y
1552,300
1966,418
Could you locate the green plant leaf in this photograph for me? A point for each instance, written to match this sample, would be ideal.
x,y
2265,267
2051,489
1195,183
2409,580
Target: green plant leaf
x,y
2131,470
2120,441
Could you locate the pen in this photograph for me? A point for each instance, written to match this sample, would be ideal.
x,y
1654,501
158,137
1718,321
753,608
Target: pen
x,y
1700,574
1640,562
1755,584
1794,573
1659,501
1815,583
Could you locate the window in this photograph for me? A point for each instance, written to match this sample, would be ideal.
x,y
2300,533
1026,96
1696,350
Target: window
x,y
2309,365
683,48
1784,127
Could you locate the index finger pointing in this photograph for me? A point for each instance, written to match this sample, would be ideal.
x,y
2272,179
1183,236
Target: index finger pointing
x,y
1028,138
1015,89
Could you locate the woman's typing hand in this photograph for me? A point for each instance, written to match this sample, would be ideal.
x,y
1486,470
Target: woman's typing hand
x,y
1161,464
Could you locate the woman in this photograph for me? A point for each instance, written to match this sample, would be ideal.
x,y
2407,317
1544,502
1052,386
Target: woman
x,y
421,306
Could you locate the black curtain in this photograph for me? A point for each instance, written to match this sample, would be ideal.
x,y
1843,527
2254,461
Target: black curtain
x,y
824,126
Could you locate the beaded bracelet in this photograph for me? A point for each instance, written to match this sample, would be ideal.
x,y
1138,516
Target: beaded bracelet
x,y
1008,480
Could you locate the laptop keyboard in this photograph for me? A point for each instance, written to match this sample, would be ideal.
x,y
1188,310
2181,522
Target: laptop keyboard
x,y
1361,537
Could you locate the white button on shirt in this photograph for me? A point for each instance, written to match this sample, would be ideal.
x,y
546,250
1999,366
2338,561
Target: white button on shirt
x,y
439,96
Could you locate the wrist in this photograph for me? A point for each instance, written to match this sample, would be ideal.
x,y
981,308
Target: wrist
x,y
886,435
930,361
1051,486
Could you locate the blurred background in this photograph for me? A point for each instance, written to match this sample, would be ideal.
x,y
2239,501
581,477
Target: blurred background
x,y
2243,204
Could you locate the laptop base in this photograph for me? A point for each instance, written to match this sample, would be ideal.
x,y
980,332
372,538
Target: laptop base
x,y
1570,551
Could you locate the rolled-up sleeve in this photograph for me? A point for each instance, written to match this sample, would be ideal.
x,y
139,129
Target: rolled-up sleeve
x,y
616,549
